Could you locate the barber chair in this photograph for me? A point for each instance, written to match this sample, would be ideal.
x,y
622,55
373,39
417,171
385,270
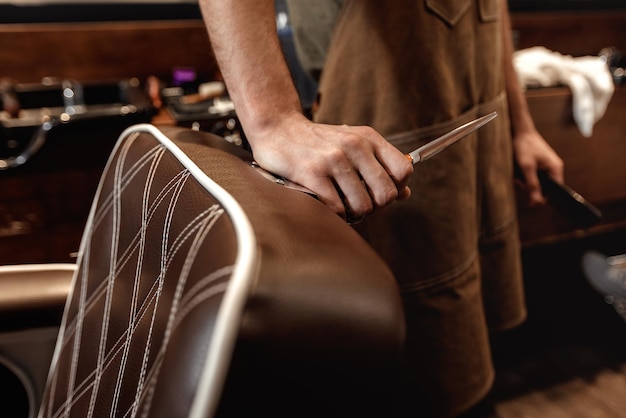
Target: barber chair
x,y
201,289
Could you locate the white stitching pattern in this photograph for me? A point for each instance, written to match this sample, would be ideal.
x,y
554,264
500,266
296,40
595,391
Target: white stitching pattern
x,y
194,234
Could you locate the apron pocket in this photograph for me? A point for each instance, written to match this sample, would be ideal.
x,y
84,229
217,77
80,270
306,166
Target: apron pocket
x,y
450,11
489,10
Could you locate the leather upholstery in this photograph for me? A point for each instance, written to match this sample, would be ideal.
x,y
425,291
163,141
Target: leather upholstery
x,y
323,329
163,269
322,332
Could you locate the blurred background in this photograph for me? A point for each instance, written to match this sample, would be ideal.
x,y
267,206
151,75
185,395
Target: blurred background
x,y
75,74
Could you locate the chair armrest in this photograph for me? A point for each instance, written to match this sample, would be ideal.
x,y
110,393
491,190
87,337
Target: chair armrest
x,y
33,295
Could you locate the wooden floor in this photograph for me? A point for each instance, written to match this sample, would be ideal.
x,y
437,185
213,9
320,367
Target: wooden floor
x,y
569,359
586,381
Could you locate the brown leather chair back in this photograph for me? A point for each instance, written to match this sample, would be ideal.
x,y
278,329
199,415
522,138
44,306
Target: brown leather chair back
x,y
187,240
164,267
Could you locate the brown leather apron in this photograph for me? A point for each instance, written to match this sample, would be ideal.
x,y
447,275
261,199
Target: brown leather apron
x,y
414,69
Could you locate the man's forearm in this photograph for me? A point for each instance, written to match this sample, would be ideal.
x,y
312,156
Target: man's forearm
x,y
247,49
531,150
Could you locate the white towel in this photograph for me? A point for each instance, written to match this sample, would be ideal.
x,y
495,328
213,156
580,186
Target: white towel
x,y
588,77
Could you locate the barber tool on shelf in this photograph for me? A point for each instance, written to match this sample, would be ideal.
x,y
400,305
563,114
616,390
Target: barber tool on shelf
x,y
31,112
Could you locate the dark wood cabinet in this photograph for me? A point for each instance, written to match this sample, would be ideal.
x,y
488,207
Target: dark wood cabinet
x,y
594,166
44,203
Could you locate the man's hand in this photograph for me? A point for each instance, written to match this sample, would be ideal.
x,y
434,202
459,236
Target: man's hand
x,y
352,169
533,153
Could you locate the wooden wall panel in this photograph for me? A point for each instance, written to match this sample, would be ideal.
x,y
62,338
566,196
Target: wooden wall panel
x,y
574,33
96,51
